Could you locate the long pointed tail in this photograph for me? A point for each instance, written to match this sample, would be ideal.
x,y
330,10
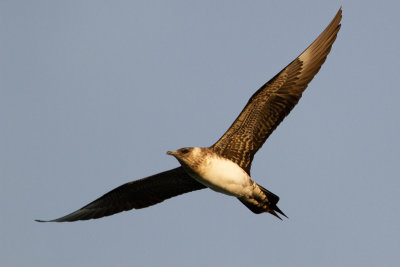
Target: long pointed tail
x,y
269,206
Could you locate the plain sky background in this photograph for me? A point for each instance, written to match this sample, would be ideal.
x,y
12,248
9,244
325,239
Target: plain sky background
x,y
93,93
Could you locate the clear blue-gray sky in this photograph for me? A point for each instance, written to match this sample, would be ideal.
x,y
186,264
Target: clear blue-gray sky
x,y
93,93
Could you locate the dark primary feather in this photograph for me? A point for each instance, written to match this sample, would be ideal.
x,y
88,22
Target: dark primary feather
x,y
136,195
274,100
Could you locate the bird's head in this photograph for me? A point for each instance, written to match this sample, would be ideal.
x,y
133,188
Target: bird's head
x,y
187,156
181,154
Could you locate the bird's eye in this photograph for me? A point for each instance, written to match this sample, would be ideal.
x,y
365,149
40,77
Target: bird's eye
x,y
184,151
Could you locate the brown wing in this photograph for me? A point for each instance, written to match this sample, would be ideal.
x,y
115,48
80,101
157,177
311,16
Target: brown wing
x,y
274,100
136,195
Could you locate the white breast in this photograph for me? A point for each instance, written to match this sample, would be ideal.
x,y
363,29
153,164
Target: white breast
x,y
224,176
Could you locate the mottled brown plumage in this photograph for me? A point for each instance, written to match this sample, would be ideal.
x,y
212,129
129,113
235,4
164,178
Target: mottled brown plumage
x,y
262,114
274,100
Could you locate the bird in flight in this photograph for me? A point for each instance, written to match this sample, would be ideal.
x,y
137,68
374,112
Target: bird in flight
x,y
225,166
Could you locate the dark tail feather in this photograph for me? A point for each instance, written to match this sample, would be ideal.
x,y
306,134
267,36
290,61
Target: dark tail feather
x,y
273,200
275,209
280,212
272,207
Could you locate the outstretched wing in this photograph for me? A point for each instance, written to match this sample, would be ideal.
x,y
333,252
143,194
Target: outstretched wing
x,y
136,195
274,100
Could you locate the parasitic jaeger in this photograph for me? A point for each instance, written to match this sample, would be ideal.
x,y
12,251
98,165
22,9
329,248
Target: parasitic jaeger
x,y
225,166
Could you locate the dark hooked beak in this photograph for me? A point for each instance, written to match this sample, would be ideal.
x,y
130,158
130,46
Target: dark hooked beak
x,y
171,153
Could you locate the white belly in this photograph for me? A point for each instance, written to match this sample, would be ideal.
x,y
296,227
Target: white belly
x,y
224,176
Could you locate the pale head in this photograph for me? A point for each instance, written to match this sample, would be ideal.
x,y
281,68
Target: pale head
x,y
189,156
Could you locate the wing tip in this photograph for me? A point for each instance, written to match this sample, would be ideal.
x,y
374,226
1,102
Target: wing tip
x,y
42,221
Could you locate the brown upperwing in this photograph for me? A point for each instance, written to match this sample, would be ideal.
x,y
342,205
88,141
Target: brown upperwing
x,y
274,100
